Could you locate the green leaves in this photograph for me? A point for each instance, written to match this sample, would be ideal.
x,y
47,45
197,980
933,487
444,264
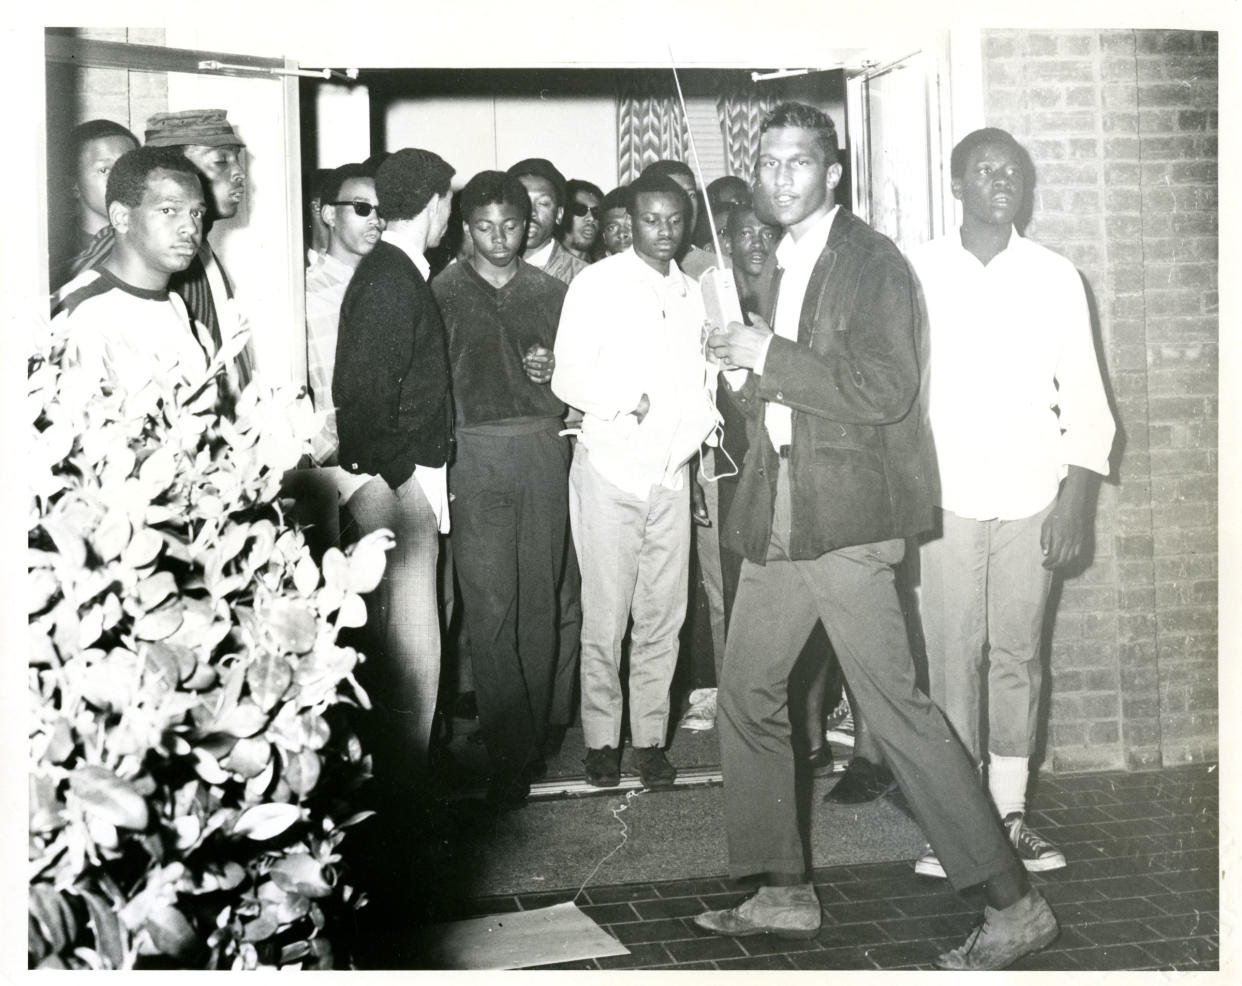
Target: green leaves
x,y
266,821
182,659
108,797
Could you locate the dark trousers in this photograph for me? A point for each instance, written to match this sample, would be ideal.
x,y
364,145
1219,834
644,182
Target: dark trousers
x,y
509,522
852,591
569,641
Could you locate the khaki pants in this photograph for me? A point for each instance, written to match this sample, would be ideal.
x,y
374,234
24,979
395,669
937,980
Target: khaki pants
x,y
984,582
635,557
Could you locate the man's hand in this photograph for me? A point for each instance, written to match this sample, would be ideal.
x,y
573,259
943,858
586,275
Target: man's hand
x,y
1064,534
738,345
539,362
698,503
644,405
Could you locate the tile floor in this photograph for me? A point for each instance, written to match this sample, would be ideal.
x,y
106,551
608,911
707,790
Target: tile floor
x,y
1141,891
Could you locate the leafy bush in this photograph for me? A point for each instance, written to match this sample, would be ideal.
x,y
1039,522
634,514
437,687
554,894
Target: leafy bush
x,y
191,768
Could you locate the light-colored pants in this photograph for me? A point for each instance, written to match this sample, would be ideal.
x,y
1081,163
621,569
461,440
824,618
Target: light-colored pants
x,y
852,590
635,557
983,582
402,635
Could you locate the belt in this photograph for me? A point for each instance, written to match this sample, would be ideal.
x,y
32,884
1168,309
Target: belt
x,y
783,451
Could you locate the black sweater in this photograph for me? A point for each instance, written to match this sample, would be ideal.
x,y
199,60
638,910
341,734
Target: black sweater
x,y
391,383
489,330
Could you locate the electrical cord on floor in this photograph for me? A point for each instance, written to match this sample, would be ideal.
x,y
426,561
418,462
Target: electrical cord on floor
x,y
625,830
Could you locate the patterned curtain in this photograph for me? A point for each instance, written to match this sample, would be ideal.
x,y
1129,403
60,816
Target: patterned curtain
x,y
742,105
650,124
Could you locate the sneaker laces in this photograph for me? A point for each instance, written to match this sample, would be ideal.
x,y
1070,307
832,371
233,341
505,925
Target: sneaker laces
x,y
1027,839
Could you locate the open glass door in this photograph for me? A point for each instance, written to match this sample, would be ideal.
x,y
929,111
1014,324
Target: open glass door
x,y
92,78
894,122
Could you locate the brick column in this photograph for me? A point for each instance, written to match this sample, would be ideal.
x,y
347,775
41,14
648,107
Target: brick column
x,y
1121,126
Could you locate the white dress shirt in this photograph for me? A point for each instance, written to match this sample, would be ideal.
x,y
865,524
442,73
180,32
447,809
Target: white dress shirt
x,y
626,330
796,258
1014,395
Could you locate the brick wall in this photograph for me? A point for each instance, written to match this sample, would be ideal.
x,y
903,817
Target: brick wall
x,y
1122,127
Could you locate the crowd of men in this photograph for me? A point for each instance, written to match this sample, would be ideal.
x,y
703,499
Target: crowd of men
x,y
547,410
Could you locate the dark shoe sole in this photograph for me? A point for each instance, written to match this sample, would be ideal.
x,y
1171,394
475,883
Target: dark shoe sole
x,y
603,781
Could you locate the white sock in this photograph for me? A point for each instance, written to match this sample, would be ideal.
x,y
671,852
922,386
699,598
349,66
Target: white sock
x,y
1007,777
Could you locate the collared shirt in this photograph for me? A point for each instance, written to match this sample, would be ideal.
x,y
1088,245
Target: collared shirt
x,y
797,259
627,330
541,256
326,281
1015,395
433,480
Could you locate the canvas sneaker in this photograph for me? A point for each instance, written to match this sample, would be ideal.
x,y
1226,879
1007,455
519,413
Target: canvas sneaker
x,y
702,712
929,864
840,725
1037,854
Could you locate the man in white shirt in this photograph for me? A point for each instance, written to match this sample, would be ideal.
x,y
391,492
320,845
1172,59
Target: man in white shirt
x,y
629,353
350,213
834,480
1021,427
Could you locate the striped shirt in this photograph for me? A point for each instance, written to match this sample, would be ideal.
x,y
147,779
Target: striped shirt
x,y
129,335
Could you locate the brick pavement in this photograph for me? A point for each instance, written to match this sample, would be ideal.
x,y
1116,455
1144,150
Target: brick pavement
x,y
1141,892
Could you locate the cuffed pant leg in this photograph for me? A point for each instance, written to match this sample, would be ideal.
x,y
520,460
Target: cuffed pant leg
x,y
607,528
1018,586
857,599
953,607
403,622
659,608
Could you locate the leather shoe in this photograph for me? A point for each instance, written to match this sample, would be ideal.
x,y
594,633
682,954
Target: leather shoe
x,y
820,761
862,781
787,912
603,767
1004,936
653,767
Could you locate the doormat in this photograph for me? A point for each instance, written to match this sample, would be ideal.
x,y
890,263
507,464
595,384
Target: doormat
x,y
517,940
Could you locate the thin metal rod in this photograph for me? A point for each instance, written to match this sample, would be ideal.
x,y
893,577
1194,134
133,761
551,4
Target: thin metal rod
x,y
212,65
694,151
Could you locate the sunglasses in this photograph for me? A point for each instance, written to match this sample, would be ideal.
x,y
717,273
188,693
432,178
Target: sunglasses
x,y
580,209
362,209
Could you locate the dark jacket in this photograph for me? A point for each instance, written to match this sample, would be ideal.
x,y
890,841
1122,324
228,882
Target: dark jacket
x,y
860,458
391,382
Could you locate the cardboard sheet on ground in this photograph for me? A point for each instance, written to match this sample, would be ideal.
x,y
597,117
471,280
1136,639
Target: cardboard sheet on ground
x,y
518,940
